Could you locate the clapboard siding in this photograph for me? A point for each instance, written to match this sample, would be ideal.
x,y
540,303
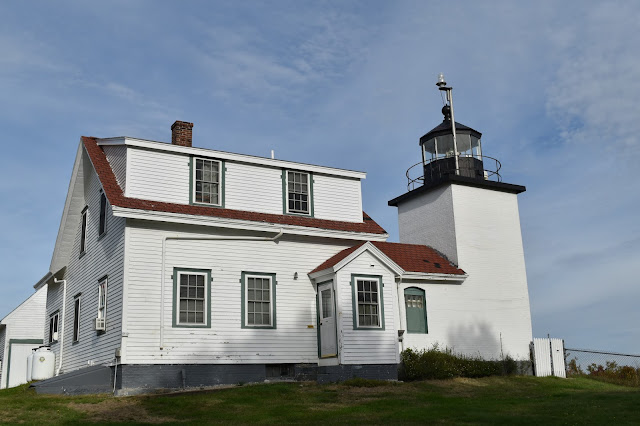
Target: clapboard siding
x,y
3,355
104,256
366,346
117,157
225,341
158,176
337,198
164,176
253,188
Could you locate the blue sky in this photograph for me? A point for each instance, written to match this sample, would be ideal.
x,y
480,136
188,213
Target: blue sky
x,y
553,87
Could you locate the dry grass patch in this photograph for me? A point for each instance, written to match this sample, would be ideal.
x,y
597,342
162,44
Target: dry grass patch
x,y
118,410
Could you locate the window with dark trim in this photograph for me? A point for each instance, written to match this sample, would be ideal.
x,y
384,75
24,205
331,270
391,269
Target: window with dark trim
x,y
83,231
192,294
258,300
207,188
76,319
103,215
368,305
298,193
53,327
102,298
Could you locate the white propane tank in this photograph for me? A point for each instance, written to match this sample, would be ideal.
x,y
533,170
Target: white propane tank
x,y
44,364
30,364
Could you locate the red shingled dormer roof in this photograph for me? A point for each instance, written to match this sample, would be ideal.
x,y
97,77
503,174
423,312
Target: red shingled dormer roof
x,y
410,257
114,194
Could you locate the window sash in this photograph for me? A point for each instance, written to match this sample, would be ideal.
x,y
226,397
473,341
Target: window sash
x,y
192,298
367,302
53,328
259,309
102,298
83,232
76,319
298,192
103,214
206,181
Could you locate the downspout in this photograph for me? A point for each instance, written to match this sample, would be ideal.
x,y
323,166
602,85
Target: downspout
x,y
217,238
64,306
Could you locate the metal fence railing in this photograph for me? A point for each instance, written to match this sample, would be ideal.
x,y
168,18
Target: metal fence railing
x,y
602,364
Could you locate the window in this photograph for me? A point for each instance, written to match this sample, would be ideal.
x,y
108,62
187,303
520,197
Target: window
x,y
192,289
83,231
258,300
207,181
102,298
53,327
76,318
103,215
416,310
298,193
368,306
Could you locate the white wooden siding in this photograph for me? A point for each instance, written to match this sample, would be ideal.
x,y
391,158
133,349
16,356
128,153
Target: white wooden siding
x,y
164,176
104,256
3,355
158,176
117,157
366,346
292,341
253,188
336,198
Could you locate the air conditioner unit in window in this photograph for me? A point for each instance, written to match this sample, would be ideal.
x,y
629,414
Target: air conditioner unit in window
x,y
101,324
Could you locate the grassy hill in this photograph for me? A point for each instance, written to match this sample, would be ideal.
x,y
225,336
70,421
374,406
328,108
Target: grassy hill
x,y
495,400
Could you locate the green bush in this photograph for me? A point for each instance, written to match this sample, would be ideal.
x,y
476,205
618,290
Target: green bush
x,y
445,364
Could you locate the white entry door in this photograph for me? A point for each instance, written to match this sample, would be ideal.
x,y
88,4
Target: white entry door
x,y
327,315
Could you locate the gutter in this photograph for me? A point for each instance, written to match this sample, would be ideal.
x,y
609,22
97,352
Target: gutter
x,y
165,239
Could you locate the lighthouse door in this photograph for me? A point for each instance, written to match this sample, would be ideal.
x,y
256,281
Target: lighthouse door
x,y
327,320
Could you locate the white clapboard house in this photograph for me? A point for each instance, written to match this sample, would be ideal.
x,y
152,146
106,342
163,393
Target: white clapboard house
x,y
177,266
20,332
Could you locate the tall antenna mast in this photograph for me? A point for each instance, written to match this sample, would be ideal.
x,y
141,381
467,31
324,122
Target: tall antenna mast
x,y
442,85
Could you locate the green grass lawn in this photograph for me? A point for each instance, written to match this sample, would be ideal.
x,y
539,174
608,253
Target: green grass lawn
x,y
495,400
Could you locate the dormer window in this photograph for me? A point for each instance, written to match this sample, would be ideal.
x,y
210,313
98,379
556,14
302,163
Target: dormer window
x,y
298,193
207,178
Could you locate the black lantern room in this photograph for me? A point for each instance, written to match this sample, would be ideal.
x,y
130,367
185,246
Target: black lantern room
x,y
439,151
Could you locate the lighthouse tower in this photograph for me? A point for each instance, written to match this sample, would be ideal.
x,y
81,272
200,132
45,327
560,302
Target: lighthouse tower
x,y
457,203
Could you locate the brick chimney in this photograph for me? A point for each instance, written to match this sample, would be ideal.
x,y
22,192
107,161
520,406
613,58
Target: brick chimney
x,y
181,133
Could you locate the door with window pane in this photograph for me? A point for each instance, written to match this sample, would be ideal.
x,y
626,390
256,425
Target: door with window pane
x,y
327,317
416,309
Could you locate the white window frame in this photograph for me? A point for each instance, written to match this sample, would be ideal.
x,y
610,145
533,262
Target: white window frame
x,y
54,324
357,303
207,296
102,297
272,307
308,194
194,180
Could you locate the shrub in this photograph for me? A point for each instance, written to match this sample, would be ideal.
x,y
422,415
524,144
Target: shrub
x,y
435,363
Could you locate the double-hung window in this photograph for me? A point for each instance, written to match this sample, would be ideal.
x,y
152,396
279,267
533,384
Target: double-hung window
x,y
102,298
258,300
298,197
53,327
207,182
192,289
102,227
368,307
83,231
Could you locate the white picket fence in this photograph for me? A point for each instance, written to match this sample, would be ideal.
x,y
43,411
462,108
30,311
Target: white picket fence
x,y
548,357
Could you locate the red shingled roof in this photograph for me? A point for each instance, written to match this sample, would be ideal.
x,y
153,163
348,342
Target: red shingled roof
x,y
116,198
410,257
